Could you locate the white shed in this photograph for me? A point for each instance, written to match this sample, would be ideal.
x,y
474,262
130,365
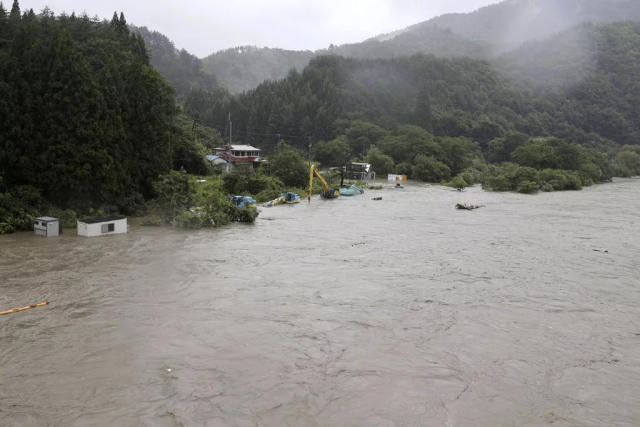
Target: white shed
x,y
91,227
47,226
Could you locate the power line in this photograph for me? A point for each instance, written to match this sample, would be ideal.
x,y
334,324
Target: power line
x,y
282,135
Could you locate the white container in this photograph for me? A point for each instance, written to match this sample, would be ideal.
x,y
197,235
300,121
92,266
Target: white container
x,y
92,227
47,226
397,178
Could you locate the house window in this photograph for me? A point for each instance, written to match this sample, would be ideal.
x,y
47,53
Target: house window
x,y
108,228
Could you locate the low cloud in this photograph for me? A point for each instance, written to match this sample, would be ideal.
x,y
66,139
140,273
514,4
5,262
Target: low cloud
x,y
205,27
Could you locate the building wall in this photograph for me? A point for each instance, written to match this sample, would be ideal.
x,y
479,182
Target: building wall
x,y
48,229
93,230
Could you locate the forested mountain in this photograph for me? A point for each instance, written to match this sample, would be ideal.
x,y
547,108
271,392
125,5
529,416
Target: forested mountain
x,y
245,67
449,97
568,58
483,34
429,40
184,70
85,120
506,25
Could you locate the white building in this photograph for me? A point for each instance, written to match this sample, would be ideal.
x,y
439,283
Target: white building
x,y
400,178
102,226
239,154
47,226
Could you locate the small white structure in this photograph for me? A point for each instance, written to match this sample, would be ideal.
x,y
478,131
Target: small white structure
x,y
397,178
362,172
47,226
102,226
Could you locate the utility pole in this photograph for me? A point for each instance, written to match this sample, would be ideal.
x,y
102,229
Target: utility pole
x,y
309,157
230,130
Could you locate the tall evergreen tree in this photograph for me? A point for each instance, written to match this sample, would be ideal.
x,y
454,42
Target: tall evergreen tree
x,y
114,20
3,24
15,11
122,24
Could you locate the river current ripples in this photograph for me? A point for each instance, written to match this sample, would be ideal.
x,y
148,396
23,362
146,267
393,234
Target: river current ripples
x,y
348,312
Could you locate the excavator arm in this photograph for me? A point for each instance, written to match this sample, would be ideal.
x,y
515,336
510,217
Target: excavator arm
x,y
327,193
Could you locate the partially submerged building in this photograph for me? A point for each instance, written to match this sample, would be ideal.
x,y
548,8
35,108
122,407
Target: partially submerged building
x,y
397,178
238,155
362,172
102,226
47,226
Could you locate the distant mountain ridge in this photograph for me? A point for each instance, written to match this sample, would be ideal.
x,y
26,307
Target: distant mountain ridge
x,y
509,24
184,70
244,67
484,34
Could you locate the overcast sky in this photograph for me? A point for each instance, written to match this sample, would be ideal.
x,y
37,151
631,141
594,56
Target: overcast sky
x,y
203,27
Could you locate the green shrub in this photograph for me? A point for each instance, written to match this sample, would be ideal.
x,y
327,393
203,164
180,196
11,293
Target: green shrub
x,y
556,179
403,169
523,174
288,165
68,217
246,214
498,183
457,182
6,228
527,187
428,169
175,193
573,181
152,221
266,195
190,219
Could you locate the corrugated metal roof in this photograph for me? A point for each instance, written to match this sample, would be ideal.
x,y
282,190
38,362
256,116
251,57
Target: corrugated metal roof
x,y
240,148
47,219
102,219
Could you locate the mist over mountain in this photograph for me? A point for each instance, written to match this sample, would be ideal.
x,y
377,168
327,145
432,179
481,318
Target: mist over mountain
x,y
484,34
594,100
245,67
184,70
509,24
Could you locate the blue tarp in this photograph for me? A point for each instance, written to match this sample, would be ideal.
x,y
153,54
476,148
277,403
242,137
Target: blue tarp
x,y
242,201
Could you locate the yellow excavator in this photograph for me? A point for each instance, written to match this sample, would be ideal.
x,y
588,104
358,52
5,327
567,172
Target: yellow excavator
x,y
327,193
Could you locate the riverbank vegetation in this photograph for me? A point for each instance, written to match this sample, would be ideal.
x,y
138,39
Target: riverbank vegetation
x,y
88,126
187,201
433,118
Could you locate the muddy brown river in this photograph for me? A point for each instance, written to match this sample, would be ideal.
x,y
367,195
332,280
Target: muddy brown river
x,y
349,312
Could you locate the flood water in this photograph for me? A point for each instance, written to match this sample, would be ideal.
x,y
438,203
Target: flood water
x,y
348,312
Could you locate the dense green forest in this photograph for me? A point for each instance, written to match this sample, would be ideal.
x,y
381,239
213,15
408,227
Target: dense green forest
x,y
433,118
447,97
85,117
86,123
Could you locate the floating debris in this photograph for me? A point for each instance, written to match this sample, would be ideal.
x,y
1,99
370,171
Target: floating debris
x,y
467,206
29,307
